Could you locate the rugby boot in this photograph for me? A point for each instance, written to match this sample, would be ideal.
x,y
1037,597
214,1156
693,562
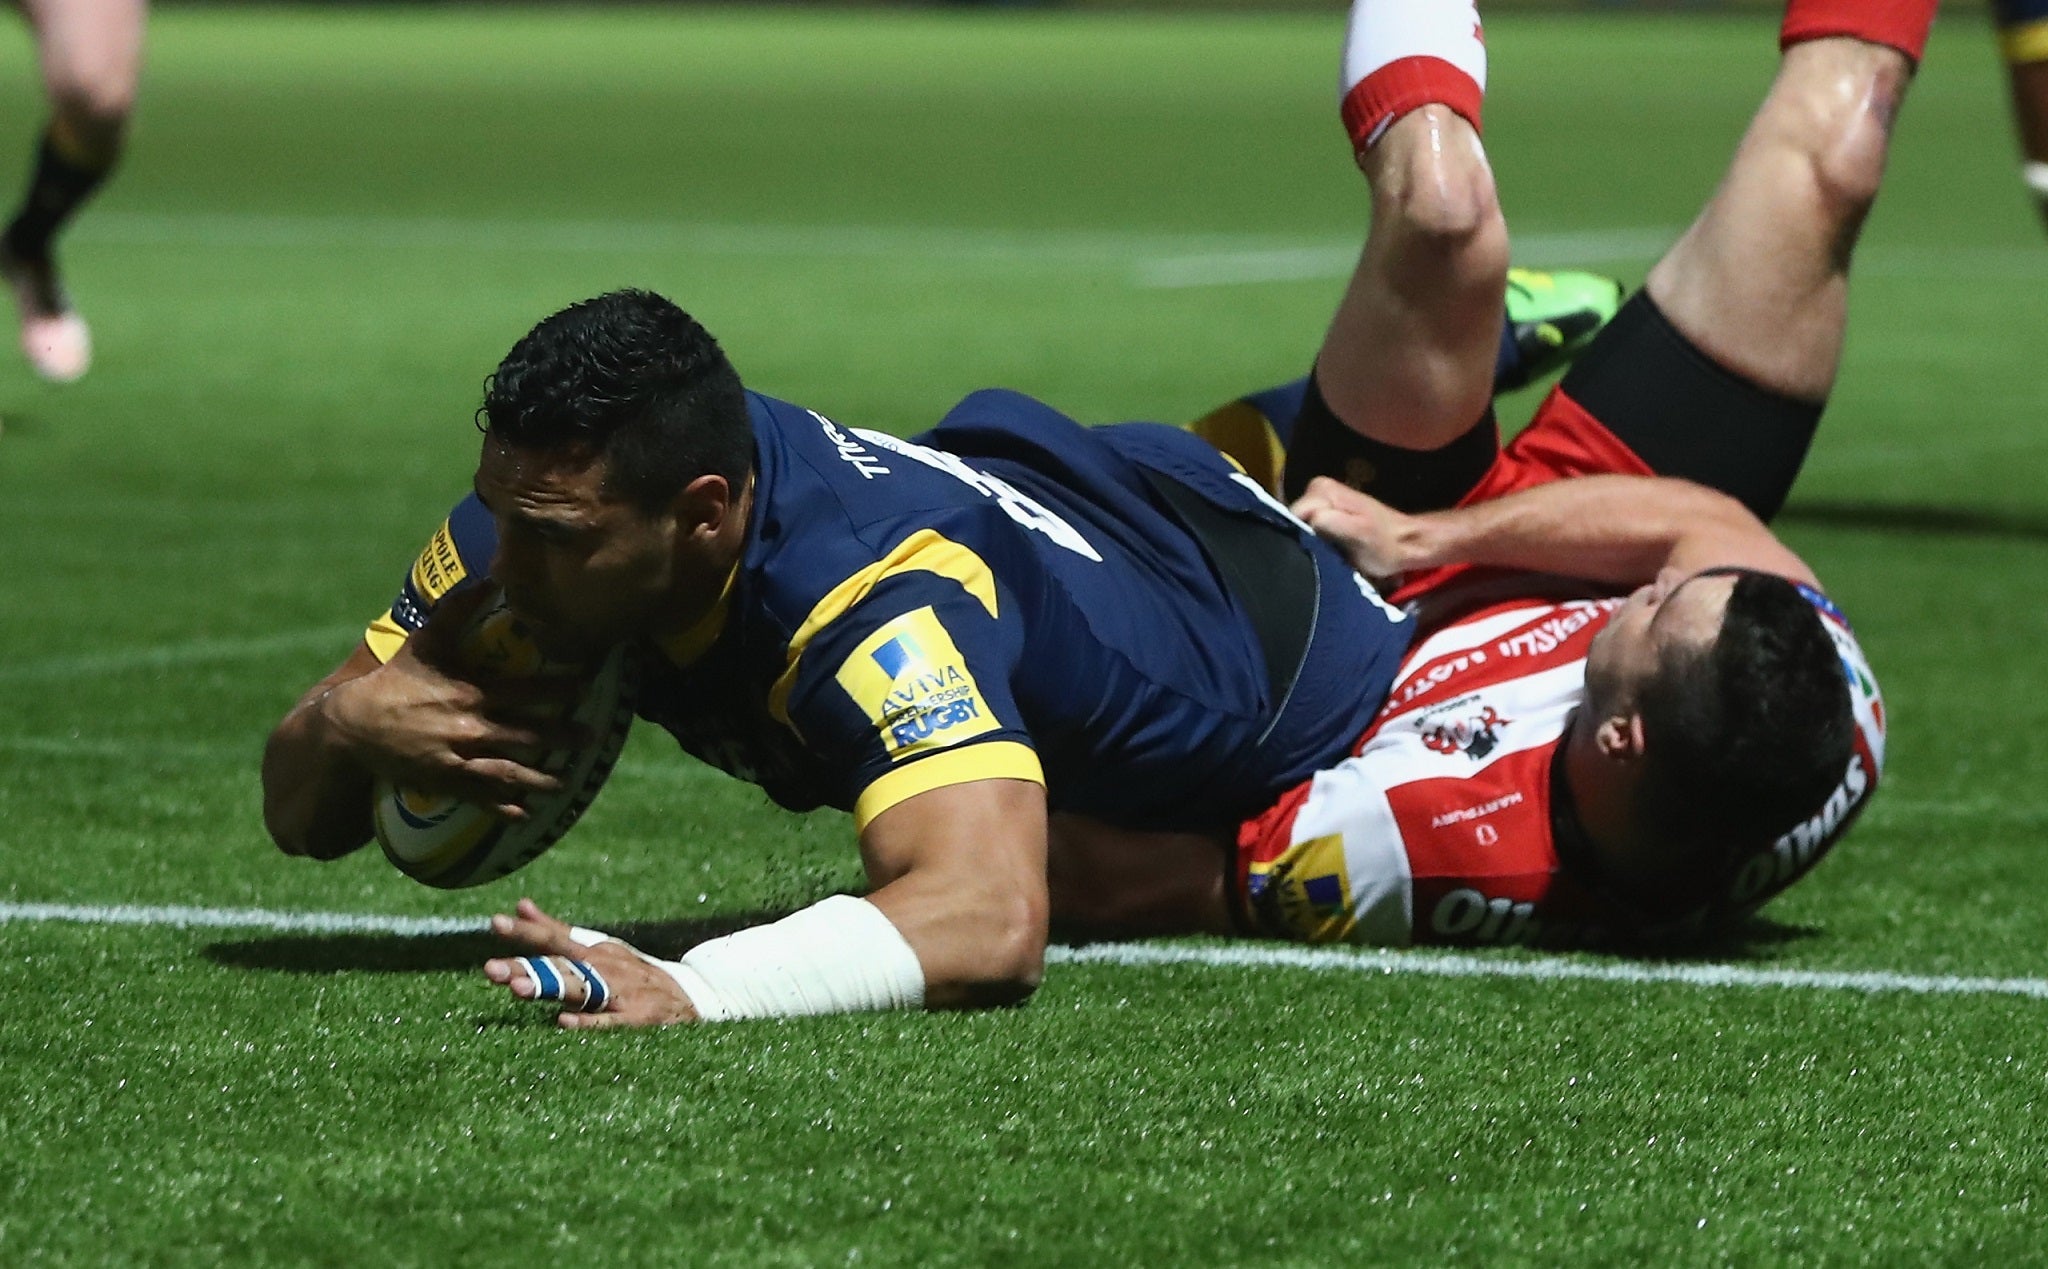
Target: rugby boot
x,y
54,338
1550,317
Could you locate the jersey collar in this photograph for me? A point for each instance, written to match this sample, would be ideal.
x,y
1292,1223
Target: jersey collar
x,y
686,647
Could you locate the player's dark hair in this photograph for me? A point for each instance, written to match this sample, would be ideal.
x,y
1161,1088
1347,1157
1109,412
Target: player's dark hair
x,y
1745,737
633,379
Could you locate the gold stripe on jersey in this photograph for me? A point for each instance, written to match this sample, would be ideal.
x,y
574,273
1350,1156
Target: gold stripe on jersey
x,y
384,637
992,760
439,569
926,551
2025,42
685,648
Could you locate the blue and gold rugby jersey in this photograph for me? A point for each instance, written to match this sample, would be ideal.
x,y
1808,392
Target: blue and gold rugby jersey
x,y
1008,595
2022,30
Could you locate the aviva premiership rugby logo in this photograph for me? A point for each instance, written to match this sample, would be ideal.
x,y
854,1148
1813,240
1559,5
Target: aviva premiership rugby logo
x,y
914,686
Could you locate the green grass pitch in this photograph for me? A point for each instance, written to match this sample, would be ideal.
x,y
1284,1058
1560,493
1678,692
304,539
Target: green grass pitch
x,y
335,221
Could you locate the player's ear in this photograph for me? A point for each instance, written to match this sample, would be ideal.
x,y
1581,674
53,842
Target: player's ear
x,y
1620,737
702,505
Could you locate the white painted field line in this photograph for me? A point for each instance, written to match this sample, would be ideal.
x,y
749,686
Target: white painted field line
x,y
937,242
1136,955
1335,260
1155,259
1439,965
173,655
187,918
149,749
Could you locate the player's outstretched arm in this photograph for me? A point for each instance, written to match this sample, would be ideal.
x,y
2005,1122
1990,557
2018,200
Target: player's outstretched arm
x,y
957,920
315,802
960,871
407,720
1618,530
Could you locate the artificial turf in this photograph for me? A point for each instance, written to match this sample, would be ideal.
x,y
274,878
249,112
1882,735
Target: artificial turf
x,y
335,220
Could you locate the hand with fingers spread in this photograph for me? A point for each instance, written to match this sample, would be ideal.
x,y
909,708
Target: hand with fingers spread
x,y
426,721
601,985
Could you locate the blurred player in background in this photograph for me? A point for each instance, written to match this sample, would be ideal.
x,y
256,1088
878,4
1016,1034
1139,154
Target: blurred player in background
x,y
90,52
2023,39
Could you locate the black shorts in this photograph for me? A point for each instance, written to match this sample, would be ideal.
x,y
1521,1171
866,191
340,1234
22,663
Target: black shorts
x,y
1640,384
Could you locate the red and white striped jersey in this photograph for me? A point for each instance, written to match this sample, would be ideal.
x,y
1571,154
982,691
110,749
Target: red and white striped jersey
x,y
1438,828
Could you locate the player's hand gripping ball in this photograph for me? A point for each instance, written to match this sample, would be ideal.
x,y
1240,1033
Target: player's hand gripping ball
x,y
449,843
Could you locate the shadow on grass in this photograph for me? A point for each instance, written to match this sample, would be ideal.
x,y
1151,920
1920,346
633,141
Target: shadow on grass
x,y
1755,938
441,953
1926,521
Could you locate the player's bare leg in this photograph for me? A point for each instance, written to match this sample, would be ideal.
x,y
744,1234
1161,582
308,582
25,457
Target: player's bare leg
x,y
2023,42
1410,352
2030,112
1406,369
91,57
1760,281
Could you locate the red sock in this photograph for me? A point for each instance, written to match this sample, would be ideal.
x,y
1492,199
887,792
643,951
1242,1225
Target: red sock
x,y
1400,55
1406,84
1899,24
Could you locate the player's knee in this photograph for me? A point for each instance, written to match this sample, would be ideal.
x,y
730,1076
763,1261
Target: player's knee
x,y
94,107
1443,209
1848,126
1439,196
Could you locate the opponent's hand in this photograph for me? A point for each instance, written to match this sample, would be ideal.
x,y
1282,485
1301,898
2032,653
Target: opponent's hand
x,y
417,721
1380,542
634,993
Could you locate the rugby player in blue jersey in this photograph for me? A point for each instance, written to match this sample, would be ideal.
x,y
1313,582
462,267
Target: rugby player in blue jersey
x,y
952,638
2023,42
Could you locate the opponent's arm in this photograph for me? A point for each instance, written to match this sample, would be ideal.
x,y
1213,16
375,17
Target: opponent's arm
x,y
1619,530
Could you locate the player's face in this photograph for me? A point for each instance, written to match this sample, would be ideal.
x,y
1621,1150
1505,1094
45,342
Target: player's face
x,y
1676,610
583,570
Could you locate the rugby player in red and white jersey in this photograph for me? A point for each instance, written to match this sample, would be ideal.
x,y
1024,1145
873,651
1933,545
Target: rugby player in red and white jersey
x,y
1511,792
1632,715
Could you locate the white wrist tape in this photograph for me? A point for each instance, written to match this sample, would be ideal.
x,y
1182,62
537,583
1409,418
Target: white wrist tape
x,y
838,956
2036,175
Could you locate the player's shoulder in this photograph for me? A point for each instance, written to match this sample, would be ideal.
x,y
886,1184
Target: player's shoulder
x,y
457,555
838,510
1526,653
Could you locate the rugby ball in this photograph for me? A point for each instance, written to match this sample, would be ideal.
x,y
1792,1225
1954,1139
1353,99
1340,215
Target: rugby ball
x,y
447,843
